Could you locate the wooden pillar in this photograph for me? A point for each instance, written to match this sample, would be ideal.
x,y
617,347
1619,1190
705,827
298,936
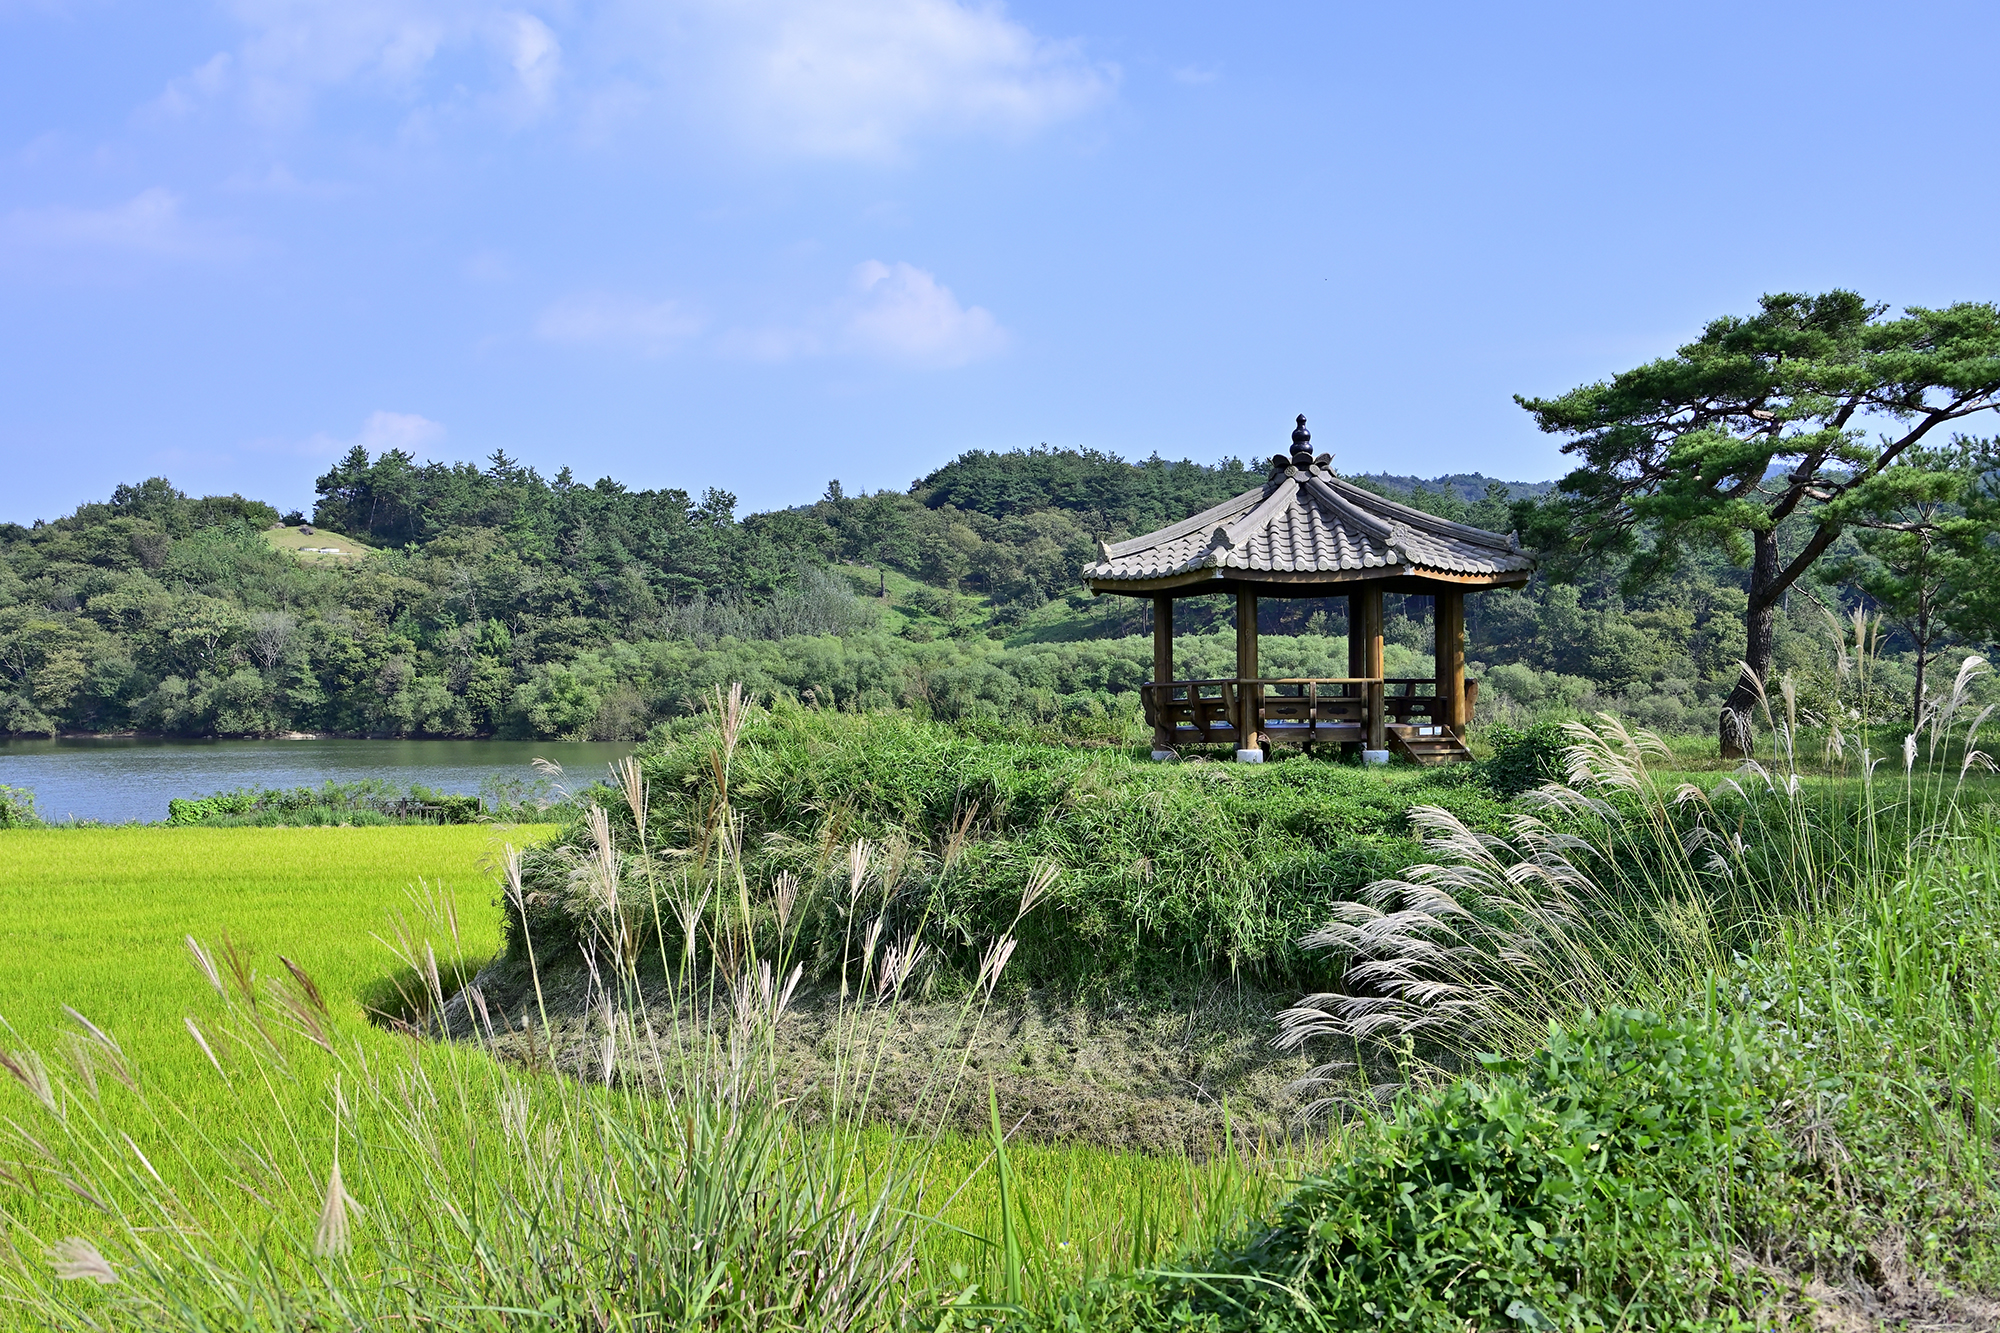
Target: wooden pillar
x,y
1357,658
1448,645
1366,630
1357,661
1247,693
1163,672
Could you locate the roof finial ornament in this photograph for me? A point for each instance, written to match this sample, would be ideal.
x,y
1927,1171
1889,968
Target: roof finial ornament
x,y
1301,456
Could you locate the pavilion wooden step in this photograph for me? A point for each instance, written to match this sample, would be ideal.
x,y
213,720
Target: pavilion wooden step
x,y
1427,745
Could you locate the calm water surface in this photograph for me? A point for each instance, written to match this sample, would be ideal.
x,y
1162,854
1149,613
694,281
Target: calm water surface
x,y
119,780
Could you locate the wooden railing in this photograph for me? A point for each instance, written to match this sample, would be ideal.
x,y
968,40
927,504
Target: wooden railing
x,y
1293,710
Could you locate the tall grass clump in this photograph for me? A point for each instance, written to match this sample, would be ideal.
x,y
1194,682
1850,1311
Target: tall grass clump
x,y
1621,886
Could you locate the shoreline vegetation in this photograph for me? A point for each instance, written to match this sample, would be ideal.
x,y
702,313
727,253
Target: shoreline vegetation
x,y
364,802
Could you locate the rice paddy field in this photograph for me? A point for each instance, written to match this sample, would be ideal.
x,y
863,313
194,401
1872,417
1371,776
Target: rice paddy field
x,y
95,920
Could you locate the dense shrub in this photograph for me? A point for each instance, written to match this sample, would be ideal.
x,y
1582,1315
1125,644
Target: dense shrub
x,y
1602,1183
1523,760
369,801
1168,872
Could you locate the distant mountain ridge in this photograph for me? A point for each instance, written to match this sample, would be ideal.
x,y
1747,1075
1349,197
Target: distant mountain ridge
x,y
1467,486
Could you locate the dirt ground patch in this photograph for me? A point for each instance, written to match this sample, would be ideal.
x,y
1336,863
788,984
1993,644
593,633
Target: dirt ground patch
x,y
1887,1292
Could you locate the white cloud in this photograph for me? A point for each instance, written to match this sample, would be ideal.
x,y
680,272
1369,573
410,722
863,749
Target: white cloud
x,y
907,315
381,432
893,312
293,50
839,78
398,430
537,58
629,323
864,78
149,223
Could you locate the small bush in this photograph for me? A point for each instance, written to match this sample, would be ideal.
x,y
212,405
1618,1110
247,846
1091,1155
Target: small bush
x,y
17,808
1524,760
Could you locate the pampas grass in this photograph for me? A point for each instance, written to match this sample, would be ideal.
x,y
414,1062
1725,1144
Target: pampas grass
x,y
1617,887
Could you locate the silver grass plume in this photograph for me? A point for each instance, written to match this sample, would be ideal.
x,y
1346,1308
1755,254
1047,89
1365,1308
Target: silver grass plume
x,y
77,1260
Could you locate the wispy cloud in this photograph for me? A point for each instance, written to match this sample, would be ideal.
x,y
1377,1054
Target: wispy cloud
x,y
149,223
892,312
294,50
381,432
536,56
907,315
627,323
867,78
834,78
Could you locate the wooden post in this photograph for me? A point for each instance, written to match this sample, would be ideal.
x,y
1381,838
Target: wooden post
x,y
1356,658
1367,631
1248,693
1163,674
1356,661
1448,645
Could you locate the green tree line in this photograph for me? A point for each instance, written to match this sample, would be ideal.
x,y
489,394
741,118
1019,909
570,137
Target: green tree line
x,y
502,602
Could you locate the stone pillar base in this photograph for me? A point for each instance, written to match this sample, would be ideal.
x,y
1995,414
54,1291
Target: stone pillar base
x,y
1162,756
1374,756
1249,756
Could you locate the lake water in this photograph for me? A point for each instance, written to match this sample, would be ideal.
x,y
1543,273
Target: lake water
x,y
126,779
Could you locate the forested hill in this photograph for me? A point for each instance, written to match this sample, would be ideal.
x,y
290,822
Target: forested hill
x,y
504,601
500,601
1470,487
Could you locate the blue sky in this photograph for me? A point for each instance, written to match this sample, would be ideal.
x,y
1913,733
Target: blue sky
x,y
759,244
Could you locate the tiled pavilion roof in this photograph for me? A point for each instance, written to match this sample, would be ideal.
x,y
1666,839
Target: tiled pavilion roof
x,y
1306,521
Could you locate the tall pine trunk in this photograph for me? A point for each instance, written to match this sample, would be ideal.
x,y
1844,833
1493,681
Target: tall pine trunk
x,y
1923,634
1760,628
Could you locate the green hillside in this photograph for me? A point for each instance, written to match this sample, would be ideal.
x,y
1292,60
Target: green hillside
x,y
493,600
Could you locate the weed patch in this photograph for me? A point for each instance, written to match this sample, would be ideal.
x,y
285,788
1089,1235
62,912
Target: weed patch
x,y
1606,1181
